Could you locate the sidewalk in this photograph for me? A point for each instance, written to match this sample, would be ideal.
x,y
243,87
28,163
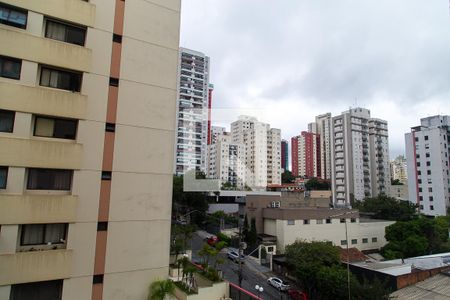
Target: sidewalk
x,y
253,264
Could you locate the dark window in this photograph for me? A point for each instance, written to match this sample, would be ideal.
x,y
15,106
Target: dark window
x,y
102,226
420,190
65,32
420,198
428,163
430,198
418,164
3,177
44,290
13,17
431,207
421,207
428,172
59,79
55,128
10,67
365,240
354,241
328,221
106,175
117,38
427,154
419,181
430,189
374,240
416,139
353,220
49,179
97,279
110,127
113,81
43,234
419,173
6,120
342,220
343,242
305,222
426,138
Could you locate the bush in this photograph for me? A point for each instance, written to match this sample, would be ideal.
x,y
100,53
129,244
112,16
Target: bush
x,y
224,238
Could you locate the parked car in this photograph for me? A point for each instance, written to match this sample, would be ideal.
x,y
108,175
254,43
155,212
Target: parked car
x,y
278,283
296,294
234,255
212,240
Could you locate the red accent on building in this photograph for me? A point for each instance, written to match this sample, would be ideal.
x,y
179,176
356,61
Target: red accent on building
x,y
309,153
210,90
294,154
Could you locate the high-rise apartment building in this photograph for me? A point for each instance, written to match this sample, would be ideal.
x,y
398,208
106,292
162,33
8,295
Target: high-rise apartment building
x,y
428,159
226,161
262,151
323,125
399,169
215,132
306,155
284,155
87,113
360,156
194,99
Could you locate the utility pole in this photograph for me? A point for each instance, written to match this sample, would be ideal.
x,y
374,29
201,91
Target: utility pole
x,y
240,254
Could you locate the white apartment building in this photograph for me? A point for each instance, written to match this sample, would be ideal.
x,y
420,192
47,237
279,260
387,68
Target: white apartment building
x,y
215,132
192,111
427,154
399,169
322,126
226,161
360,156
262,148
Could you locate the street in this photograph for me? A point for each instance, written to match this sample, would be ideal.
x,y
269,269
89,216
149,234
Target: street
x,y
251,276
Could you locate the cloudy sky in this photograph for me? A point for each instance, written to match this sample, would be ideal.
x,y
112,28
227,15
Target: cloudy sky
x,y
287,61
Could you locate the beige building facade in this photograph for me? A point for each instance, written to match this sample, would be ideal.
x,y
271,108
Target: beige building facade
x,y
87,118
322,224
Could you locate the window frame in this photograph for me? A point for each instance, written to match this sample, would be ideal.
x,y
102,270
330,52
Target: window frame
x,y
6,169
60,70
32,288
47,189
43,242
67,26
13,119
19,10
11,59
54,127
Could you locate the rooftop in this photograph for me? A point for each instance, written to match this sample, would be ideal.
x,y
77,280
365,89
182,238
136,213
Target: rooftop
x,y
436,287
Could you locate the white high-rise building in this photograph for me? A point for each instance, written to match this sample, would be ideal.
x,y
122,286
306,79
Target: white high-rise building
x,y
215,132
192,111
263,151
360,156
324,130
428,155
226,161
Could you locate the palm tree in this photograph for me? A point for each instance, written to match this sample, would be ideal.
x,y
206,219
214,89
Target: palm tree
x,y
159,289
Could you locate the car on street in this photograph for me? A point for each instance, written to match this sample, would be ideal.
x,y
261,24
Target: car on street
x,y
278,283
234,255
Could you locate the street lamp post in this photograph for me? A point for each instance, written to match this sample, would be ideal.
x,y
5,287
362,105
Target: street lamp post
x,y
259,290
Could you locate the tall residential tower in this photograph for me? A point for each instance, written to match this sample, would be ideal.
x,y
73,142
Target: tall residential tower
x,y
87,113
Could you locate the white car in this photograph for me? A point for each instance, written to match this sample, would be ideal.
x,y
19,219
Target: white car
x,y
234,256
278,283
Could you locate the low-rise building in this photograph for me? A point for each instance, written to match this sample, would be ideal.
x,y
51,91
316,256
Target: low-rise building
x,y
323,224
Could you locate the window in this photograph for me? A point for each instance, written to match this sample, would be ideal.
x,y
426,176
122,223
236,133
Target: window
x,y
102,226
430,189
65,32
43,234
428,172
110,127
113,81
44,290
419,173
418,163
55,128
416,139
319,221
49,179
428,163
420,190
420,198
13,16
10,67
97,279
305,222
427,154
431,207
60,79
353,220
426,138
6,120
117,38
421,207
354,241
343,242
106,175
328,221
374,240
365,240
3,177
291,222
342,220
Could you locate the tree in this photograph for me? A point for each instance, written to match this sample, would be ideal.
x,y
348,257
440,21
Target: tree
x,y
159,289
416,237
387,208
287,177
317,184
228,186
396,182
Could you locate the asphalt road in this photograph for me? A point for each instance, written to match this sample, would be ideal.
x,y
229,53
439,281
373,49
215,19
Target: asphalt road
x,y
251,277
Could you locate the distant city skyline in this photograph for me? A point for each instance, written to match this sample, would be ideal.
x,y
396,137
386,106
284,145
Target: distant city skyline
x,y
300,59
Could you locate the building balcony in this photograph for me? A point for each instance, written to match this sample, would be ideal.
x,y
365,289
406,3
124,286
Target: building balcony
x,y
35,266
40,153
32,209
45,101
45,51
